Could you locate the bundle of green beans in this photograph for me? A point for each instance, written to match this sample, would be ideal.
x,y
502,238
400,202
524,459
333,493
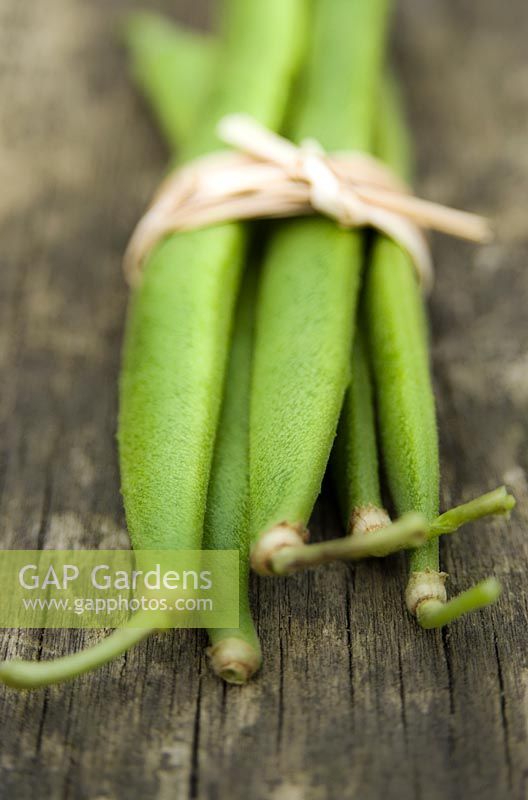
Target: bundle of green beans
x,y
307,357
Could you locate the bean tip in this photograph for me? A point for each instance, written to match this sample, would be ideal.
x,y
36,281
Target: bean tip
x,y
19,675
283,535
234,660
368,519
434,614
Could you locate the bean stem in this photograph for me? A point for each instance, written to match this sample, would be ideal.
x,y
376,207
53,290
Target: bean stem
x,y
435,614
409,531
34,674
495,503
235,653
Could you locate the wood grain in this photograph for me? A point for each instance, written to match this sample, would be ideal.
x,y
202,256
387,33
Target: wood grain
x,y
353,701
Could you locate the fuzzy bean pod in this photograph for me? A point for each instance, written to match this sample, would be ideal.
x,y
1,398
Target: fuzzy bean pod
x,y
174,67
180,316
404,393
398,342
309,290
398,339
235,654
355,456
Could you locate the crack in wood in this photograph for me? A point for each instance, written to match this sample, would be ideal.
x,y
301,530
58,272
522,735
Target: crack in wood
x,y
194,780
504,717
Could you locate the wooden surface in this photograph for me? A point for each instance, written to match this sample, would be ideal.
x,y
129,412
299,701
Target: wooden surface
x,y
353,701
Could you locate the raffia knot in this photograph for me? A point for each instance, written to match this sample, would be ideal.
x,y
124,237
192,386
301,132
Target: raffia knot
x,y
269,176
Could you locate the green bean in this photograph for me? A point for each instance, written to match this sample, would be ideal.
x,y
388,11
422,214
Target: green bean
x,y
355,455
174,68
179,323
309,289
180,316
407,418
235,654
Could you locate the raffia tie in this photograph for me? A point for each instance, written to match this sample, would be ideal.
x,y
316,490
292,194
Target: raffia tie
x,y
268,176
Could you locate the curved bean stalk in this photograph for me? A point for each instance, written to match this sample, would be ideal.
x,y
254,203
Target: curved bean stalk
x,y
34,674
407,533
309,290
434,613
407,417
179,321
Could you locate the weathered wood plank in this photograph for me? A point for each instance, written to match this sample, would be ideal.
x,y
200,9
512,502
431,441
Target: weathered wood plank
x,y
353,701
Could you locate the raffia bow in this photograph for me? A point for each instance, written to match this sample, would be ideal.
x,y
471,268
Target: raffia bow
x,y
268,176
